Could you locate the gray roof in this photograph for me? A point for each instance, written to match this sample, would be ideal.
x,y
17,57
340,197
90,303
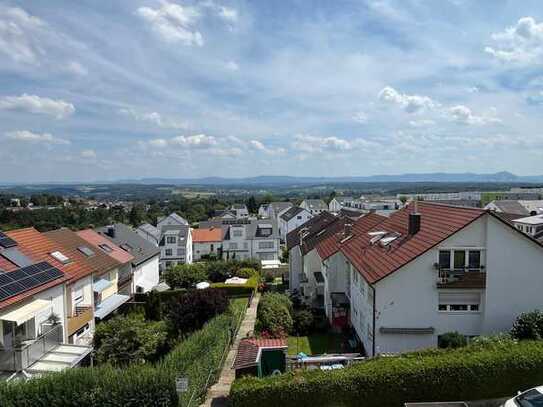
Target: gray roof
x,y
129,240
291,213
277,207
181,231
342,199
511,207
316,204
175,217
149,230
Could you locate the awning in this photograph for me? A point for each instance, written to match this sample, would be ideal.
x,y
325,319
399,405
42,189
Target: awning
x,y
26,312
101,285
109,305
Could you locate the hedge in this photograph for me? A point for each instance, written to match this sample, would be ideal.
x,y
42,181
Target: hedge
x,y
236,290
135,386
471,373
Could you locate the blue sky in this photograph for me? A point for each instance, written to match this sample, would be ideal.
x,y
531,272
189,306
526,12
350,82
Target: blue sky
x,y
175,88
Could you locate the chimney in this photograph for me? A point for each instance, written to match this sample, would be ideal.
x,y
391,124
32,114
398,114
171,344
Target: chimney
x,y
111,231
414,221
347,229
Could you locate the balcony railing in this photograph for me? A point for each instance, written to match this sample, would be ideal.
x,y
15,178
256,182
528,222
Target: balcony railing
x,y
461,278
79,319
25,355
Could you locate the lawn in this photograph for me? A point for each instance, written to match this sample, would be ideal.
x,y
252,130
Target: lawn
x,y
316,344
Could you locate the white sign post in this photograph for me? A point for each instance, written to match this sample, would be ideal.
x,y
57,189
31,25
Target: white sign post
x,y
181,384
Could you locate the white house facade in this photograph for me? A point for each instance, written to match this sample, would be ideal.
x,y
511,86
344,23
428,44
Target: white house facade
x,y
292,218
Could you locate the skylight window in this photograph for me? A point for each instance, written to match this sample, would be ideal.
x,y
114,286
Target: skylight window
x,y
385,241
86,251
60,257
105,247
377,233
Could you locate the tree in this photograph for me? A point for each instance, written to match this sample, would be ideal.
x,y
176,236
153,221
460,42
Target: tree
x,y
252,206
303,322
274,315
452,340
185,275
190,311
528,325
136,215
125,340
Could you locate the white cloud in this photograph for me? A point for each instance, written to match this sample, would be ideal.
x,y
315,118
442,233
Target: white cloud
x,y
228,14
310,144
19,35
231,66
259,146
521,43
410,103
463,114
35,104
154,118
195,142
89,154
76,68
360,117
174,23
27,136
421,123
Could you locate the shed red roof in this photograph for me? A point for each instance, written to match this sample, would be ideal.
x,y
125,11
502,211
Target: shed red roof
x,y
97,240
207,235
248,349
438,222
362,225
37,247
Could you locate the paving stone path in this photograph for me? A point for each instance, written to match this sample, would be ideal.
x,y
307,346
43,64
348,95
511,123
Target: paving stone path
x,y
217,395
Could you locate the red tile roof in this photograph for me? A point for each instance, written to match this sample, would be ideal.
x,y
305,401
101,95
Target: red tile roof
x,y
438,222
37,248
362,225
206,235
248,349
96,239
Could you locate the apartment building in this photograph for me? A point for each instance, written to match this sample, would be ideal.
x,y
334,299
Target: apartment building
x,y
291,219
207,242
248,239
404,281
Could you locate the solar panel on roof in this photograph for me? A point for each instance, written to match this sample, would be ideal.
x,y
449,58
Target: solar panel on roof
x,y
27,278
6,241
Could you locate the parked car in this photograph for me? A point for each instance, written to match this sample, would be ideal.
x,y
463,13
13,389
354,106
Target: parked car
x,y
529,398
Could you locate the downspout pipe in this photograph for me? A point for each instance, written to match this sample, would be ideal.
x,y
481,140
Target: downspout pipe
x,y
373,327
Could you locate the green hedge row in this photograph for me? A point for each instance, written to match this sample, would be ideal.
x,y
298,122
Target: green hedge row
x,y
234,290
470,373
93,387
201,353
138,385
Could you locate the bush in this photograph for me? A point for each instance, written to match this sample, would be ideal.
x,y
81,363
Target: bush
x,y
303,322
185,275
236,290
274,315
528,325
246,272
452,340
125,340
470,373
192,310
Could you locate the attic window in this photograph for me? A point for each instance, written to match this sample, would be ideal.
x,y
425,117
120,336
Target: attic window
x,y
385,241
86,251
377,233
60,257
105,247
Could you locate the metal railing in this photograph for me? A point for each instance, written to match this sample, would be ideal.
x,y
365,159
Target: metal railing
x,y
25,355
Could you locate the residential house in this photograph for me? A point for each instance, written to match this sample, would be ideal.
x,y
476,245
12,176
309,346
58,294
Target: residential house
x,y
314,206
240,211
263,211
339,202
35,320
275,209
291,219
105,273
248,239
206,242
430,269
532,225
507,206
174,238
297,248
224,214
146,256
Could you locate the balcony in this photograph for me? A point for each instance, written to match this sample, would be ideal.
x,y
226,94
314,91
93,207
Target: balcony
x,y
46,353
79,319
473,278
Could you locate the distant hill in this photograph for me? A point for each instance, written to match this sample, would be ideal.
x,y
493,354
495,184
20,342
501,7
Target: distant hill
x,y
277,180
